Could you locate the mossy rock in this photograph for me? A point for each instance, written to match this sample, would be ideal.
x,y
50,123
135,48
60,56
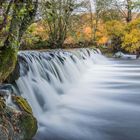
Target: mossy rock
x,y
17,123
28,125
22,104
8,58
14,75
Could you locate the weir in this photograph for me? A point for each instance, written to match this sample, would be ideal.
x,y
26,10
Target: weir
x,y
81,95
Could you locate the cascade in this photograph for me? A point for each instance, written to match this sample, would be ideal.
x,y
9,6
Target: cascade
x,y
80,95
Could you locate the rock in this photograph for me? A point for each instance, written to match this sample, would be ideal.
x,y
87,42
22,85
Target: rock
x,y
7,88
124,56
3,133
8,58
28,125
16,123
22,104
14,75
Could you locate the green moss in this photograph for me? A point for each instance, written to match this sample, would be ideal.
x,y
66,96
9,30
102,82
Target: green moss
x,y
8,58
28,125
22,104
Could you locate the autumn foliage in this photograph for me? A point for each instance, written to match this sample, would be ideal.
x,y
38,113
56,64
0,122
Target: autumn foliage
x,y
115,34
126,36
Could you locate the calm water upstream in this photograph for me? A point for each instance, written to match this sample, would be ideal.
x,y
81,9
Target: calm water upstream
x,y
82,95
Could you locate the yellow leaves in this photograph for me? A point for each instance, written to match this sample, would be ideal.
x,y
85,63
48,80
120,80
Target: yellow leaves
x,y
131,41
131,38
128,34
133,24
115,28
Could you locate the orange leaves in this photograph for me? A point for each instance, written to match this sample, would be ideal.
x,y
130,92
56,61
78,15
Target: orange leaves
x,y
103,40
87,31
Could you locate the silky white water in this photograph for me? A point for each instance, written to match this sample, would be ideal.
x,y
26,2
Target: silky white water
x,y
81,95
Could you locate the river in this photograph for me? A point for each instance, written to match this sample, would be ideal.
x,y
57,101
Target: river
x,y
81,95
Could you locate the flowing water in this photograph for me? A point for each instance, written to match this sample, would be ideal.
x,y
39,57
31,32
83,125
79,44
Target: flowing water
x,y
81,95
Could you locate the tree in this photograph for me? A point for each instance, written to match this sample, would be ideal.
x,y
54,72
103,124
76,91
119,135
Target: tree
x,y
117,8
131,38
127,8
103,11
16,16
58,14
115,30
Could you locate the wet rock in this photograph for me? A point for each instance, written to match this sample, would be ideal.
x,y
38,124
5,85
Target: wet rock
x,y
16,73
16,122
7,88
3,133
25,67
22,104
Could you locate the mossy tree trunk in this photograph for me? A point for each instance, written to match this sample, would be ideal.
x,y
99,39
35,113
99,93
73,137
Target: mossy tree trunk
x,y
21,15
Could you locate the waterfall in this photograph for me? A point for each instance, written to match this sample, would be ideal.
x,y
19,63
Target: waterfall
x,y
72,95
48,75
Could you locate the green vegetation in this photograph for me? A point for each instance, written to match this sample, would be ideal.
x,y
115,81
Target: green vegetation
x,y
113,24
57,15
15,18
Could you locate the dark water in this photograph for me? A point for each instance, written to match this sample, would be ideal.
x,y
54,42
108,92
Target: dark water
x,y
96,98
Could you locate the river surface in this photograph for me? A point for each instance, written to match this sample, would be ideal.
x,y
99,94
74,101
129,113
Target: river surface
x,y
93,98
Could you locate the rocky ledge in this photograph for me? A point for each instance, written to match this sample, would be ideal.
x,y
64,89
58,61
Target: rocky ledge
x,y
16,118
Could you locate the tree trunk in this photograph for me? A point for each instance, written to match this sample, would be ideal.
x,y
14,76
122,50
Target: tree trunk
x,y
129,11
18,25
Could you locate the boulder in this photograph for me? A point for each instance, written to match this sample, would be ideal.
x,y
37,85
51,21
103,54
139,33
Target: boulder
x,y
17,121
16,73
